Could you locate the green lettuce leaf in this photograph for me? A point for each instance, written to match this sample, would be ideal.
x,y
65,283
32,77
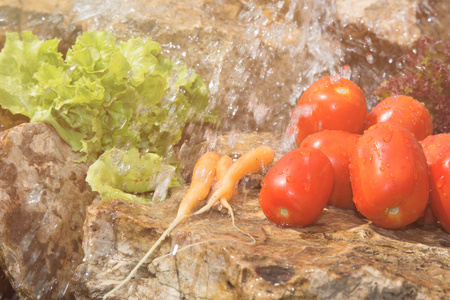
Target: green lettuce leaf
x,y
104,94
126,174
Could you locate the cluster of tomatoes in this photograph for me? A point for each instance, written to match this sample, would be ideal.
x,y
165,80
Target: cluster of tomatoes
x,y
386,163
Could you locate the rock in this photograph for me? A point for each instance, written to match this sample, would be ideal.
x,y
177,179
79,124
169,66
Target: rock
x,y
392,20
341,256
43,196
6,290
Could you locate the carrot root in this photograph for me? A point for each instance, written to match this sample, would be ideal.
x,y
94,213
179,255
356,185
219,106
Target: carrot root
x,y
149,252
225,204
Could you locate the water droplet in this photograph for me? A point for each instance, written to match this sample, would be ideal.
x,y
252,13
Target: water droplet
x,y
290,179
307,186
381,168
387,138
440,182
341,90
334,79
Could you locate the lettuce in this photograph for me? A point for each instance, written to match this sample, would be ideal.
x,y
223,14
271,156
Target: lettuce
x,y
125,173
104,94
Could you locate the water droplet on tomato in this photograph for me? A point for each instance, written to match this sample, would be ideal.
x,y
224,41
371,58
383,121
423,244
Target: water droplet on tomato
x,y
381,168
440,182
290,179
387,138
307,186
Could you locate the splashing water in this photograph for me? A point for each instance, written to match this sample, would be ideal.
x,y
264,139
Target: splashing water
x,y
257,57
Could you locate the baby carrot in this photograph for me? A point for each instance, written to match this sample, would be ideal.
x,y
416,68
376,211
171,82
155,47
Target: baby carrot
x,y
202,178
252,161
222,167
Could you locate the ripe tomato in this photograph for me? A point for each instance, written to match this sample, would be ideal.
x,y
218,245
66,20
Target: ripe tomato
x,y
389,176
296,189
337,145
329,103
405,111
440,190
435,148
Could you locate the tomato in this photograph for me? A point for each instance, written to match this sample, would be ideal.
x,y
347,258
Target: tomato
x,y
440,190
389,176
405,111
337,145
296,189
435,148
329,103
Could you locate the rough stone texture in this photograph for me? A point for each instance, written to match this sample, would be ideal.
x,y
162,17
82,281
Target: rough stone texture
x,y
392,20
341,256
43,196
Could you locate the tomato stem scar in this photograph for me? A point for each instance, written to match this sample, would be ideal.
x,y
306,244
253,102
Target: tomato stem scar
x,y
284,211
394,210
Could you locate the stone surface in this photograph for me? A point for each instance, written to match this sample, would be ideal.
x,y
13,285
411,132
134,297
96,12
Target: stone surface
x,y
392,20
43,196
341,256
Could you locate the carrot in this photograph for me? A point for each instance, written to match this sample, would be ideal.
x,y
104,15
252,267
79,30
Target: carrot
x,y
202,178
222,167
250,162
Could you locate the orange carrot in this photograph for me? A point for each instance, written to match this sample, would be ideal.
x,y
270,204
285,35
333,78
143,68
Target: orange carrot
x,y
250,162
202,178
222,167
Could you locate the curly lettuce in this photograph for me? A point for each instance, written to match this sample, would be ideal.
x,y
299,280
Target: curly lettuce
x,y
104,94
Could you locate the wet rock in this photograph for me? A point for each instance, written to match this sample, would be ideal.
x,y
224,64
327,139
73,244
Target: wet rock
x,y
341,256
392,20
43,196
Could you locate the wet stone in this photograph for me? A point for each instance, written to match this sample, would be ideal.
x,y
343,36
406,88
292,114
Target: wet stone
x,y
43,197
341,256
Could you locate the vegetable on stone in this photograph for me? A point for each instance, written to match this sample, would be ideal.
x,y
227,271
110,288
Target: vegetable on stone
x,y
104,94
203,175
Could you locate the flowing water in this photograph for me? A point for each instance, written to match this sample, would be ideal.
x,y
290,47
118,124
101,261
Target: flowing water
x,y
257,57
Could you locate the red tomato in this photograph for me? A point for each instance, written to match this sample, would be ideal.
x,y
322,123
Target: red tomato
x,y
389,176
435,148
405,111
337,145
440,190
296,189
330,103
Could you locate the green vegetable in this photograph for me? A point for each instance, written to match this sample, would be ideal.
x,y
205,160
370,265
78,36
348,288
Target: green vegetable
x,y
105,94
123,173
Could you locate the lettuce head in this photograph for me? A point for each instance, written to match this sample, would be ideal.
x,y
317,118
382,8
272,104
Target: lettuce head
x,y
105,94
